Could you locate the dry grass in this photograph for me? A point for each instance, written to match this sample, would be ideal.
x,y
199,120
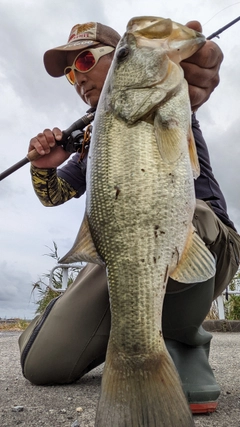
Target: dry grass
x,y
14,325
213,313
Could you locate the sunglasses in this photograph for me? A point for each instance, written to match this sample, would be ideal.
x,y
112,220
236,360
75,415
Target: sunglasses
x,y
86,61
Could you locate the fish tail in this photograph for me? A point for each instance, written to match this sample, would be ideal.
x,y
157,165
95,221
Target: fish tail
x,y
150,395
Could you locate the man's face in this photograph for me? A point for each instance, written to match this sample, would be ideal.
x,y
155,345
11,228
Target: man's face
x,y
89,85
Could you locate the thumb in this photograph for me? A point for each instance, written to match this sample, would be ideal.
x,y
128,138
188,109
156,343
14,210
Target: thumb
x,y
194,25
57,134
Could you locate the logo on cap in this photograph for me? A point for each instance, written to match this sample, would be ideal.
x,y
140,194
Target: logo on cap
x,y
83,31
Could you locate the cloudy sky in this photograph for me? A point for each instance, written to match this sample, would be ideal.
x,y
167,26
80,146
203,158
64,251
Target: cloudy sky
x,y
31,101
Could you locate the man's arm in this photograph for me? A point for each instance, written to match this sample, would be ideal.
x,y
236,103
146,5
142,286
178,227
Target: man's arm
x,y
49,188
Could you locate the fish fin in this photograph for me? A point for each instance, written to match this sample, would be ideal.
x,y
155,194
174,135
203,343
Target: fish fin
x,y
83,248
193,154
197,264
168,136
147,395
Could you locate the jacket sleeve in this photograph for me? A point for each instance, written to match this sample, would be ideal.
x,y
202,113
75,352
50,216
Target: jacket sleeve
x,y
51,189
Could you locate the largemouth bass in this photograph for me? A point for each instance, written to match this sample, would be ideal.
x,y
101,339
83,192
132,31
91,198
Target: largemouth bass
x,y
138,222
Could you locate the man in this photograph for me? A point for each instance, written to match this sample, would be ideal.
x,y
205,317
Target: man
x,y
72,335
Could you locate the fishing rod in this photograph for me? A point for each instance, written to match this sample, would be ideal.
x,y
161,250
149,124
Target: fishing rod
x,y
216,34
72,141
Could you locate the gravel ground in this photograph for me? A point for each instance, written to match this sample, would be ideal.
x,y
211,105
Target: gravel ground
x,y
75,405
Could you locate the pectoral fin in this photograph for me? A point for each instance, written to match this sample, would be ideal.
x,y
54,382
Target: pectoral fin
x,y
193,154
83,248
196,264
169,138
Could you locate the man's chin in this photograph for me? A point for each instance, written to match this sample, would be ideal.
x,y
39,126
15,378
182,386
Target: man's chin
x,y
92,102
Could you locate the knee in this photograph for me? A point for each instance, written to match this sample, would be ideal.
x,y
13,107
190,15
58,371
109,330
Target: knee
x,y
44,374
206,223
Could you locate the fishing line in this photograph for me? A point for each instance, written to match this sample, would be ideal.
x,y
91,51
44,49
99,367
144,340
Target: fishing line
x,y
227,7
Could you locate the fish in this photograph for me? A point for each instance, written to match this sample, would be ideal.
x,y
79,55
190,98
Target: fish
x,y
140,203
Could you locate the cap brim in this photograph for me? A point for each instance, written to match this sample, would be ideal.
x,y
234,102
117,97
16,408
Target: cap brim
x,y
55,60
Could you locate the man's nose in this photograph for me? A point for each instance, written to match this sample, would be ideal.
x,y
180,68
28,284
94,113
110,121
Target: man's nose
x,y
80,78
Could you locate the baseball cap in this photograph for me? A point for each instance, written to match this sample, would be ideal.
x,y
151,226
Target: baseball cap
x,y
81,36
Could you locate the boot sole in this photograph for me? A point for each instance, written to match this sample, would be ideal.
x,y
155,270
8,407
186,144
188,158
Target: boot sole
x,y
203,408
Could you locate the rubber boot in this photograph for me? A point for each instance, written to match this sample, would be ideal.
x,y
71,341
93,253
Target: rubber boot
x,y
189,344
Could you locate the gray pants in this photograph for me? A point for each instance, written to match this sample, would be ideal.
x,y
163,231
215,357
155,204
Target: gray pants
x,y
71,339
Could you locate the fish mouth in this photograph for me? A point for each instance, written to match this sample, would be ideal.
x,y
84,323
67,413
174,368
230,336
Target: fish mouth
x,y
177,40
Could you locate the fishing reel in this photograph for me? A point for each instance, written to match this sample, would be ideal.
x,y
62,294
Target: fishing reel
x,y
76,138
78,141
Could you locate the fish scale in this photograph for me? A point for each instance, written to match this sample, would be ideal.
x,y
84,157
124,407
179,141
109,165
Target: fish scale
x,y
138,220
137,263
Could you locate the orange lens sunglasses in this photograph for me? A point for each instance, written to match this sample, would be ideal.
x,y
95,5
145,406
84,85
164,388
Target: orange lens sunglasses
x,y
86,61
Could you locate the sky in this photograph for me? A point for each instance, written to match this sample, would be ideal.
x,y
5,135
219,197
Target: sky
x,y
31,100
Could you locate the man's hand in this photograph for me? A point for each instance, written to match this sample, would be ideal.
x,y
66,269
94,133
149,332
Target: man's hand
x,y
201,70
44,143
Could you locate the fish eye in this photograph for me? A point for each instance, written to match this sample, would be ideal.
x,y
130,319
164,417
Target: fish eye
x,y
123,52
